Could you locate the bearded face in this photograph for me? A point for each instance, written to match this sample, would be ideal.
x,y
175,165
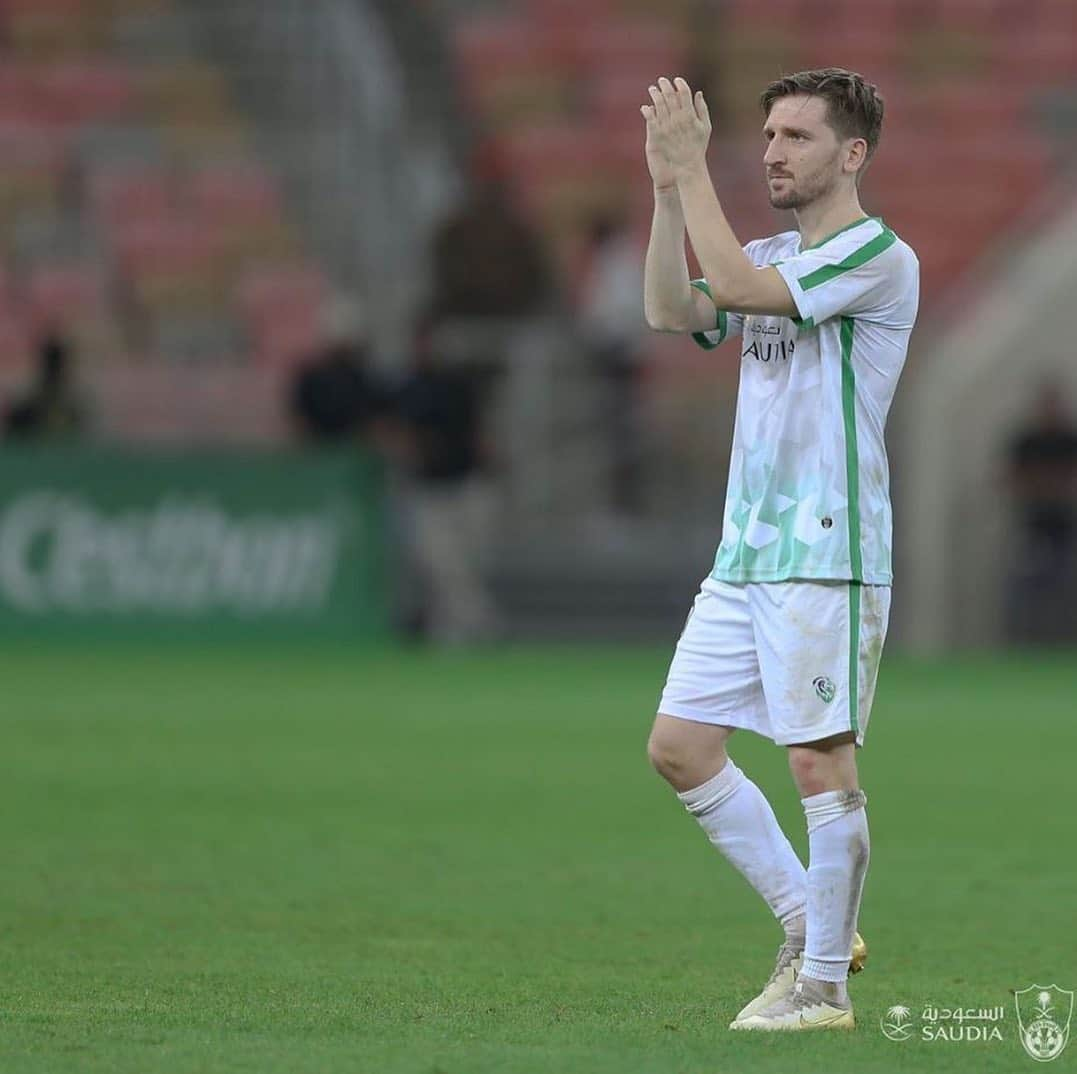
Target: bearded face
x,y
794,191
804,157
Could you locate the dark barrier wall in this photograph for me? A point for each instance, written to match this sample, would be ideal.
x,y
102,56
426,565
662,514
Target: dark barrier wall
x,y
122,541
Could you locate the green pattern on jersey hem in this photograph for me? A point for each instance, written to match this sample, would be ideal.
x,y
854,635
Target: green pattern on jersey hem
x,y
852,456
747,575
854,657
862,256
721,327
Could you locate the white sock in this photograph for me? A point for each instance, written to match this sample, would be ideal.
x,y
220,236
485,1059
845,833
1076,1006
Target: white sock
x,y
738,820
838,861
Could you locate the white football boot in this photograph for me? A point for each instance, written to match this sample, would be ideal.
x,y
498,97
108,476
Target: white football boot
x,y
804,1008
779,985
786,971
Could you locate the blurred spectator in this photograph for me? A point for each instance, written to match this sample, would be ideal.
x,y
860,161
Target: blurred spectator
x,y
611,316
336,395
1043,477
53,407
487,261
437,425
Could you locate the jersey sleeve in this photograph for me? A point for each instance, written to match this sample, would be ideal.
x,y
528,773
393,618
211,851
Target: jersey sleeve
x,y
726,324
853,274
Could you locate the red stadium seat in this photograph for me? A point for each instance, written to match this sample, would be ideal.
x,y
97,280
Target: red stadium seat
x,y
227,196
1057,16
784,13
614,93
142,195
31,145
147,245
266,287
956,106
511,70
48,28
971,15
281,307
86,93
642,50
16,343
170,264
569,150
22,102
871,52
880,17
568,11
503,43
15,8
64,294
243,207
1036,56
32,175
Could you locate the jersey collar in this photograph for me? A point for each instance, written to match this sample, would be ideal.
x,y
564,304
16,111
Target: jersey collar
x,y
840,231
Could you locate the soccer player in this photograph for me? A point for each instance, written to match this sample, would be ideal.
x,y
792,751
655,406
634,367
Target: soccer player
x,y
785,635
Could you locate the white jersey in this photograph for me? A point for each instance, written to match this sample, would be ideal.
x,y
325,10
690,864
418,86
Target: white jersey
x,y
809,482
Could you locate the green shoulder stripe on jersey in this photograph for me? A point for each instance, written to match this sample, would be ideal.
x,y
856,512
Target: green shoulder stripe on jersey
x,y
721,327
852,457
854,657
806,323
857,258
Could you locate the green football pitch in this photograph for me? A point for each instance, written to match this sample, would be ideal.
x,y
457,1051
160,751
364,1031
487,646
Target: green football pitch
x,y
291,859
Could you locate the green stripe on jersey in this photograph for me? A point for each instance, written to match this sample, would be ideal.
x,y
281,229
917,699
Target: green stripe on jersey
x,y
852,457
857,258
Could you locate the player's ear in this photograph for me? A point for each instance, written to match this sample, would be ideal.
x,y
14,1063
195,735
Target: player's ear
x,y
856,155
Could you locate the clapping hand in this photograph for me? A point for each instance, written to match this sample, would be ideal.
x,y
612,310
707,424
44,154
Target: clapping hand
x,y
678,131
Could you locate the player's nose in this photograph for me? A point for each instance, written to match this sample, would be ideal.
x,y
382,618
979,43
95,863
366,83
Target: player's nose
x,y
774,154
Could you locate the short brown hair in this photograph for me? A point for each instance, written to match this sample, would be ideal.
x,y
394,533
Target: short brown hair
x,y
854,107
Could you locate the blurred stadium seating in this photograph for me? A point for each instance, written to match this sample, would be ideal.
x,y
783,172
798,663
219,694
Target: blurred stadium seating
x,y
963,79
133,210
185,185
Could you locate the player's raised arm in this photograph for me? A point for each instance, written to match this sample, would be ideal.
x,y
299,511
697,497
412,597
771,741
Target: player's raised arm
x,y
680,129
670,303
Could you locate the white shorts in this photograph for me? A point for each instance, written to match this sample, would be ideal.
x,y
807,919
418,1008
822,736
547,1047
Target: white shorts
x,y
792,661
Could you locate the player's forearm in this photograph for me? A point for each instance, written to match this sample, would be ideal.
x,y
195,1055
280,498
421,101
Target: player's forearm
x,y
667,295
729,273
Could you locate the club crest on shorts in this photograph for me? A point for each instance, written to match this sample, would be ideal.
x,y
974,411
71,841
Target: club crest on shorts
x,y
825,688
1043,1017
